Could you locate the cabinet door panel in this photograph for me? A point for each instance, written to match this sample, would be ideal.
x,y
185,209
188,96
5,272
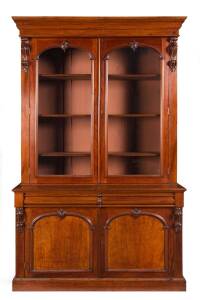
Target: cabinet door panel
x,y
63,103
60,241
133,105
61,244
136,240
139,243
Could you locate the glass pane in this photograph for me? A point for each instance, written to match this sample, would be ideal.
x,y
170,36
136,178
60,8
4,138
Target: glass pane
x,y
133,108
64,112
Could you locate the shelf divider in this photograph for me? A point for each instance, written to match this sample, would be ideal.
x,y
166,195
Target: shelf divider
x,y
133,115
134,154
65,76
63,115
133,76
63,154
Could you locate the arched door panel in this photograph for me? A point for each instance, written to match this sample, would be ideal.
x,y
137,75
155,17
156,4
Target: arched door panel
x,y
136,240
61,241
133,117
64,111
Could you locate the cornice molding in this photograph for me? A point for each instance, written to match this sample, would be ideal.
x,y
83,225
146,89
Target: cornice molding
x,y
98,26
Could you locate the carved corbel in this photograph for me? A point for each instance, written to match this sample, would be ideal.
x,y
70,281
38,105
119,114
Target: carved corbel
x,y
172,51
25,52
20,219
178,219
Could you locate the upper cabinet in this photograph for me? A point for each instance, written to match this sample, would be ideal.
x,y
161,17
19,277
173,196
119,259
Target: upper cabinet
x,y
99,107
99,111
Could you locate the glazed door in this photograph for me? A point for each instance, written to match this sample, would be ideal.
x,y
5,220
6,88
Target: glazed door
x,y
60,242
63,121
134,111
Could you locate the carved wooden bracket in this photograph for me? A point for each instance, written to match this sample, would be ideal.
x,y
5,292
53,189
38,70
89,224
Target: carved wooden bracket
x,y
25,52
172,51
99,199
64,45
20,219
178,219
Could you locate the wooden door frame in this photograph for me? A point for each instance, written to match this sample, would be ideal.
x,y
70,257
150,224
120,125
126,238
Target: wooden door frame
x,y
37,47
168,115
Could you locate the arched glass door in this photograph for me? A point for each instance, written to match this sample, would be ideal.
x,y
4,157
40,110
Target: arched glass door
x,y
65,112
133,95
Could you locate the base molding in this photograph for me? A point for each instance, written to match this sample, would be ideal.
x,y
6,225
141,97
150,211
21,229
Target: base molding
x,y
99,284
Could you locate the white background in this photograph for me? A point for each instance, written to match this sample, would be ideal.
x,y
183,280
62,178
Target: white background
x,y
188,129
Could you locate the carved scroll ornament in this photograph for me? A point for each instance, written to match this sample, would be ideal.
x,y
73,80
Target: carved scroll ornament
x,y
20,219
25,52
172,51
178,219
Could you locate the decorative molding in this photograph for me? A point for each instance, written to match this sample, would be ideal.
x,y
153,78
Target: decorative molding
x,y
25,52
20,219
107,56
99,199
137,213
64,46
172,51
178,219
91,56
134,45
61,214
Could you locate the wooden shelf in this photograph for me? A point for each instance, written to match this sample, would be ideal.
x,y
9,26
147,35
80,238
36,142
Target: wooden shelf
x,y
134,154
65,76
133,76
133,115
63,115
63,154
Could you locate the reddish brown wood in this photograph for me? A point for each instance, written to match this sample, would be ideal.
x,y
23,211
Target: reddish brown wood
x,y
99,284
99,231
98,26
20,238
68,237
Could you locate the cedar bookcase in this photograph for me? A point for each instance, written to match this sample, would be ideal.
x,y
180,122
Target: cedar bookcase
x,y
99,206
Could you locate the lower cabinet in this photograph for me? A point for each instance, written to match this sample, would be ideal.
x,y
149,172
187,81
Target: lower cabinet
x,y
98,242
60,242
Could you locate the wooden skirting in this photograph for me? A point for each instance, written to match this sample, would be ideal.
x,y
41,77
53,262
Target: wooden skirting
x,y
99,284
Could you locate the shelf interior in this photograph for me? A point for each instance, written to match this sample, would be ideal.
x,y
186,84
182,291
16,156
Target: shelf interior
x,y
133,109
64,112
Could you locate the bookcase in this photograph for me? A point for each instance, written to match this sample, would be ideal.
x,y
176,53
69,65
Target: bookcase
x,y
99,206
